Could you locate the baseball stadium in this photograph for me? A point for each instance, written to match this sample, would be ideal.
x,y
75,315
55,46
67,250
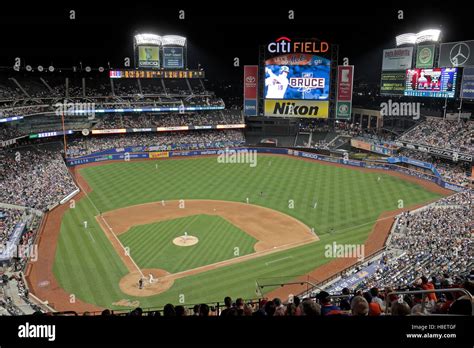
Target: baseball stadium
x,y
143,188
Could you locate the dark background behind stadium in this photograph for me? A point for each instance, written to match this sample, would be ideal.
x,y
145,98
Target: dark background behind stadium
x,y
216,34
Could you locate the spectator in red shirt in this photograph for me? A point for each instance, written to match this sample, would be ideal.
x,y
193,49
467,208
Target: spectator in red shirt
x,y
426,285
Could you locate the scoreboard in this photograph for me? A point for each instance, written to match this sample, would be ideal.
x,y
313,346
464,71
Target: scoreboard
x,y
156,74
436,82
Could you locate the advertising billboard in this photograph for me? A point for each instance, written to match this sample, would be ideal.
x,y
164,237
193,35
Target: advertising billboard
x,y
456,54
467,85
148,57
397,59
425,56
250,81
297,108
161,154
359,144
250,90
156,74
173,58
437,82
392,82
300,81
345,77
286,45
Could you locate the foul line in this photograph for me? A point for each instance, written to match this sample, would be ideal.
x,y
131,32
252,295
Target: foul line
x,y
110,229
236,260
90,234
284,258
364,224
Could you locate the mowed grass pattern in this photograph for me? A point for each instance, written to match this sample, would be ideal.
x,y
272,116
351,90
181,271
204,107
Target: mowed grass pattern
x,y
151,245
341,204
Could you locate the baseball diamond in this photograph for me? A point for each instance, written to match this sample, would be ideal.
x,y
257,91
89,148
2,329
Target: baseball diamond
x,y
138,212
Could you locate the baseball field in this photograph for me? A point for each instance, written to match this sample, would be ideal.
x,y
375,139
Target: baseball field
x,y
197,230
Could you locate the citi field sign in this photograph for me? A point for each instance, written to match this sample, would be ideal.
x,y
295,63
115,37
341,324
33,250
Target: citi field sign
x,y
286,45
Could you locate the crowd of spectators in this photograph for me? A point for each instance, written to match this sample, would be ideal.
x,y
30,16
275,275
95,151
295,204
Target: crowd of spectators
x,y
34,178
435,242
146,120
464,198
9,132
441,133
160,141
38,94
31,107
14,295
21,110
456,173
9,218
369,302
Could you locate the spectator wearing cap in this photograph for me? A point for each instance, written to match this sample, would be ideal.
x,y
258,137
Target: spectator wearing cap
x,y
327,307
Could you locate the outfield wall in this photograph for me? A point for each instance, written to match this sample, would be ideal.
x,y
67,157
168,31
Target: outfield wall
x,y
131,153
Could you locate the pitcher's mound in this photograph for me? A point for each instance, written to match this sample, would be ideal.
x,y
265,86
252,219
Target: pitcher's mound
x,y
185,240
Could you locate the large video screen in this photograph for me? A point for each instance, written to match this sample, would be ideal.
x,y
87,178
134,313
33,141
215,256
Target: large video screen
x,y
173,58
298,80
148,57
435,83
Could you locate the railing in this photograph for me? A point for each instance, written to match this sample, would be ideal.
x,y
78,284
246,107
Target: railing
x,y
369,259
214,309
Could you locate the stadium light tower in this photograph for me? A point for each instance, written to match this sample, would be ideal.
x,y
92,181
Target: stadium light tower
x,y
148,39
427,35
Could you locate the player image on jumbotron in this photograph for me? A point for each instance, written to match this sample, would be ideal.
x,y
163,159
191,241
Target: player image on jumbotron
x,y
276,85
149,53
309,79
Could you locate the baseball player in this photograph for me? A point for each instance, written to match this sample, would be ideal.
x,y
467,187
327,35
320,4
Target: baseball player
x,y
277,85
85,224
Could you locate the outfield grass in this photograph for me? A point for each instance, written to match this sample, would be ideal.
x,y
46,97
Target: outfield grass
x,y
151,245
347,204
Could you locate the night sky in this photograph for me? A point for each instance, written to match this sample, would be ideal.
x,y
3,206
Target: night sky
x,y
45,35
